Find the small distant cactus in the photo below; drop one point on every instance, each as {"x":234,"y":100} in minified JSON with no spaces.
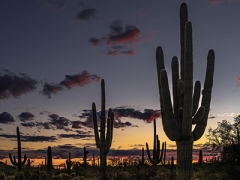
{"x":85,"y":152}
{"x":156,"y":156}
{"x":69,"y":163}
{"x":13,"y":160}
{"x":200,"y":158}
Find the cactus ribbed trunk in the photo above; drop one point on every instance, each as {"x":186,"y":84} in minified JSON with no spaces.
{"x":184,"y":159}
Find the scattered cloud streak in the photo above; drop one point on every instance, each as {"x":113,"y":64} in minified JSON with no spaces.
{"x":28,"y":138}
{"x":26,"y":116}
{"x":86,"y":14}
{"x":58,"y":4}
{"x":6,"y":118}
{"x":81,"y":79}
{"x":15,"y":85}
{"x":118,"y":38}
{"x":49,"y":89}
{"x":147,"y":115}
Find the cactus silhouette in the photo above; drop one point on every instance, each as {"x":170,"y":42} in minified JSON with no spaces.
{"x":49,"y":161}
{"x":85,"y":152}
{"x":103,"y":141}
{"x":200,"y":158}
{"x":177,"y":120}
{"x":19,"y":163}
{"x":69,"y":163}
{"x":156,"y":156}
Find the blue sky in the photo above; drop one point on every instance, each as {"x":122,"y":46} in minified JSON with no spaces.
{"x":68,"y":46}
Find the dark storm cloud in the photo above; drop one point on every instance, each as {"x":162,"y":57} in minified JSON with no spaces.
{"x":6,"y":118}
{"x":148,"y":115}
{"x":26,"y":116}
{"x":55,"y":3}
{"x":30,"y":138}
{"x":15,"y":85}
{"x":81,"y":79}
{"x":49,"y":89}
{"x":86,"y":14}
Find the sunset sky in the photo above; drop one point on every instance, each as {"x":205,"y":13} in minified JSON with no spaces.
{"x":55,"y":52}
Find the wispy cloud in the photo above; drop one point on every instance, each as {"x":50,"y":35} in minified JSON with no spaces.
{"x":49,"y":89}
{"x":26,"y":116}
{"x":28,"y":138}
{"x":6,"y":118}
{"x":58,"y":4}
{"x":147,"y":115}
{"x":15,"y":85}
{"x":81,"y":79}
{"x":118,"y":38}
{"x":215,"y":2}
{"x":86,"y":14}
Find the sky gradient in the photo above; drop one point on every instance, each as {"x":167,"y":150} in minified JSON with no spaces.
{"x":54,"y":54}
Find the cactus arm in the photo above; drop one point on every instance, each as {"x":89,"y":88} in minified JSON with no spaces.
{"x":175,"y":78}
{"x":160,"y":66}
{"x":158,"y":149}
{"x":148,"y":153}
{"x":24,"y":160}
{"x":206,"y":96}
{"x":108,"y":134}
{"x":188,"y":82}
{"x":175,"y":133}
{"x":198,"y":116}
{"x":13,"y":160}
{"x":95,"y":125}
{"x":196,"y":96}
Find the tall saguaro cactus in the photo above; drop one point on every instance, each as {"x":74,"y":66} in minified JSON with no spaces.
{"x":13,"y":160}
{"x":177,"y":119}
{"x":156,"y":156}
{"x":103,"y":141}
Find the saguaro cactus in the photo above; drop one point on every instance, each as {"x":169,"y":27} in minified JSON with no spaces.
{"x":156,"y":156}
{"x":13,"y":160}
{"x":103,"y":141}
{"x":49,"y":161}
{"x":200,"y":158}
{"x":177,"y":120}
{"x":85,"y":152}
{"x":69,"y":163}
